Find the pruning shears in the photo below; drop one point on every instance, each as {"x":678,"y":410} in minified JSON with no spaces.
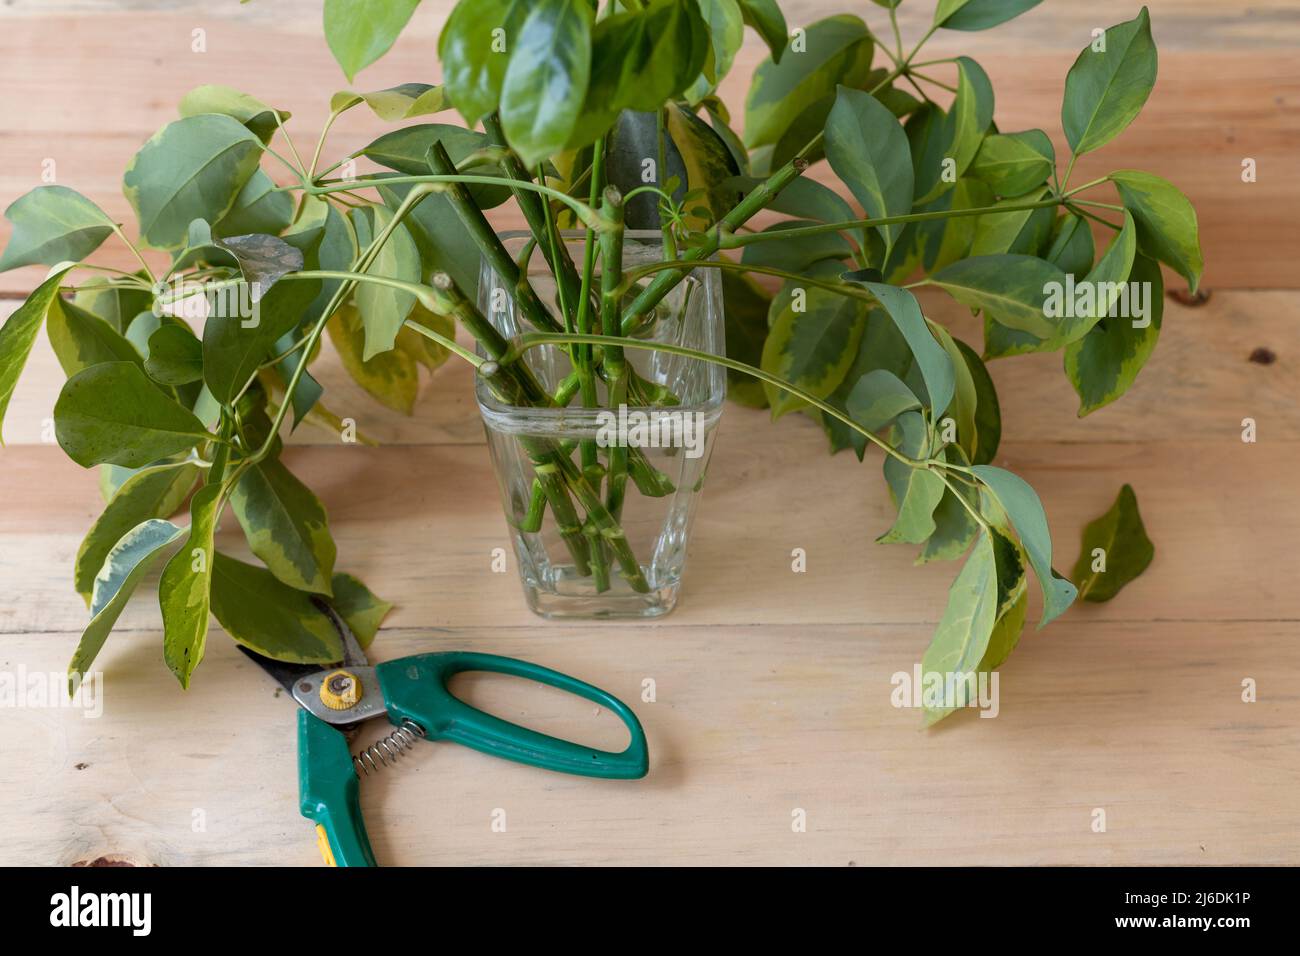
{"x":334,"y":701}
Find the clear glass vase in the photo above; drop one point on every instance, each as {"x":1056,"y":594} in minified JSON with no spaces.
{"x":628,"y":478}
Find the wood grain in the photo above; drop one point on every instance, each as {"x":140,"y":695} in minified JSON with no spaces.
{"x":772,"y":689}
{"x":1143,"y":721}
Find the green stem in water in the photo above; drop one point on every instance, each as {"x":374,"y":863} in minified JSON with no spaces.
{"x":581,"y":355}
{"x":611,"y":276}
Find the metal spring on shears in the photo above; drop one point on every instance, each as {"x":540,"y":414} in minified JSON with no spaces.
{"x":385,"y":751}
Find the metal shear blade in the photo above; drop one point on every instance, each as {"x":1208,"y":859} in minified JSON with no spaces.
{"x":303,"y":681}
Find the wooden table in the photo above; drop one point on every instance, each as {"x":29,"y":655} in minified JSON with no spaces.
{"x":772,"y":688}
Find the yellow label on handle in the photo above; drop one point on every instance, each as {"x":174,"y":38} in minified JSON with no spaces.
{"x":323,"y":844}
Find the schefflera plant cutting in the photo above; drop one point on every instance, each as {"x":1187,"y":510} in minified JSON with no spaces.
{"x":577,"y":102}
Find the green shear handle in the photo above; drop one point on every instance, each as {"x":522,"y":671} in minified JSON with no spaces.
{"x":329,"y":795}
{"x":415,"y":688}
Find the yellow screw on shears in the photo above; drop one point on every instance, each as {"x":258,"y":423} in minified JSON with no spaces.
{"x":340,"y":690}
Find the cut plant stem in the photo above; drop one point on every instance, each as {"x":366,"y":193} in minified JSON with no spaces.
{"x":535,"y":213}
{"x":611,"y":280}
{"x":599,"y":560}
{"x":489,"y":244}
{"x":582,"y":356}
{"x":546,"y":471}
{"x":513,"y":383}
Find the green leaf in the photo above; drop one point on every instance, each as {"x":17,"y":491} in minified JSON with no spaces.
{"x":81,"y":339}
{"x":639,"y":60}
{"x":969,"y":118}
{"x":934,"y":364}
{"x":1012,"y":229}
{"x":963,"y":406}
{"x":546,"y":80}
{"x":804,"y":197}
{"x":404,"y":101}
{"x":1010,"y":287}
{"x":837,"y":50}
{"x":326,"y":242}
{"x":1166,"y":222}
{"x":917,"y":490}
{"x":1105,"y":91}
{"x":1103,"y":288}
{"x":799,"y":253}
{"x":944,"y":241}
{"x":124,"y":564}
{"x":868,"y":150}
{"x":322,"y":236}
{"x":258,"y":208}
{"x":474,"y":50}
{"x":113,"y":413}
{"x":1072,"y":248}
{"x":154,"y":492}
{"x":193,"y":168}
{"x":944,"y":144}
{"x":1104,"y":363}
{"x":878,"y":398}
{"x":719,"y":121}
{"x":769,"y":22}
{"x":406,"y":150}
{"x":963,"y":633}
{"x":384,"y":309}
{"x":706,"y":161}
{"x":978,"y":14}
{"x":954,"y":525}
{"x":1022,"y":506}
{"x":1012,"y":164}
{"x":1001,"y":341}
{"x":1013,"y":591}
{"x":445,"y":244}
{"x":111,"y":479}
{"x":184,"y":590}
{"x":260,"y":119}
{"x":359,"y":607}
{"x":1125,"y":550}
{"x":1074,"y":308}
{"x":745,"y":313}
{"x":929,"y":146}
{"x":286,"y":525}
{"x":882,"y":347}
{"x":53,"y":224}
{"x":391,"y":377}
{"x":359,"y":32}
{"x":269,"y":617}
{"x":813,"y":348}
{"x":726,"y":26}
{"x":988,"y":414}
{"x":1012,"y":603}
{"x":175,"y":356}
{"x":116,"y":306}
{"x":236,"y":343}
{"x":421,"y":348}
